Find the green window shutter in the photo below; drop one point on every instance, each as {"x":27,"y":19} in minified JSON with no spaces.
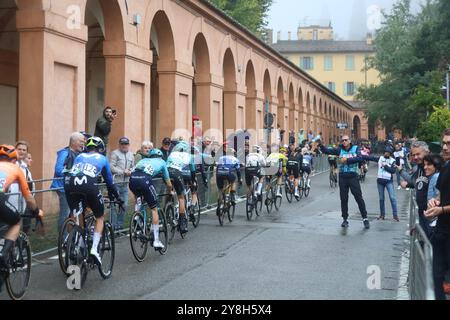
{"x":345,"y":89}
{"x":312,"y":63}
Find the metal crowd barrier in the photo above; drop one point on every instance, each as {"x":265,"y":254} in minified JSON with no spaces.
{"x":420,"y":275}
{"x":45,"y":242}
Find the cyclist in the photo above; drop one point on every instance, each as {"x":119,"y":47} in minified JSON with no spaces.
{"x":227,"y":165}
{"x":81,"y":183}
{"x":12,"y":176}
{"x":200,"y":165}
{"x":278,"y":160}
{"x":307,"y":164}
{"x":332,"y":160}
{"x":141,"y":184}
{"x":182,"y":171}
{"x":253,"y":164}
{"x":294,"y":163}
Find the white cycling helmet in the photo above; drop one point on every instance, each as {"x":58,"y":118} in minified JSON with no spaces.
{"x":257,"y":149}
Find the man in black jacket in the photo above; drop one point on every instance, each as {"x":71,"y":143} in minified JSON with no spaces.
{"x":104,"y":124}
{"x":440,"y":240}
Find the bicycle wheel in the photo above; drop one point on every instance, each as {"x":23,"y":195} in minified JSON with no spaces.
{"x":331,"y":178}
{"x":249,"y":206}
{"x":76,"y":249}
{"x":62,"y":244}
{"x":138,"y":236}
{"x":163,"y":232}
{"x":222,"y":212}
{"x":170,"y":221}
{"x":270,"y":196}
{"x":195,"y":210}
{"x":278,"y":201}
{"x":231,"y":210}
{"x":306,"y":189}
{"x":288,"y":191}
{"x":258,"y":205}
{"x":107,"y":251}
{"x":18,"y":278}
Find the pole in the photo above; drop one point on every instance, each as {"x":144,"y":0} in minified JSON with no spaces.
{"x":448,"y":92}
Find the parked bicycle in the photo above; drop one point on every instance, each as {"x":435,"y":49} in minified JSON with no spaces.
{"x":141,"y":233}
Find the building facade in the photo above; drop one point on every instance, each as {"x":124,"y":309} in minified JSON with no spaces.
{"x":160,"y":63}
{"x":338,"y":65}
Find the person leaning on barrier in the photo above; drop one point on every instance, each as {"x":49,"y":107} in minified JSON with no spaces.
{"x":440,"y":208}
{"x":144,"y":151}
{"x":416,"y":179}
{"x":22,"y":148}
{"x":64,"y":162}
{"x":122,"y":162}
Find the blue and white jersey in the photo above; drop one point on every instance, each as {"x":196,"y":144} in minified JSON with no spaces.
{"x":227,"y":164}
{"x":183,"y":162}
{"x":153,"y":167}
{"x":92,"y":165}
{"x":307,"y":159}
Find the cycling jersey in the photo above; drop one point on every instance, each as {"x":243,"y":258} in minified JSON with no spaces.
{"x":255,"y":160}
{"x":307,"y":159}
{"x":11,"y":174}
{"x":81,"y":182}
{"x":92,"y":165}
{"x":153,"y":167}
{"x":277,"y":160}
{"x":183,"y":162}
{"x":227,"y":164}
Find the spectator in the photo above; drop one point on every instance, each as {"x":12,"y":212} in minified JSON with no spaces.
{"x":417,"y":179}
{"x":22,"y":154}
{"x":440,"y":207}
{"x":165,"y":148}
{"x":292,"y":137}
{"x":386,"y":170}
{"x":301,"y":137}
{"x":399,"y":156}
{"x":432,"y":165}
{"x":64,"y":162}
{"x":122,"y":162}
{"x":310,"y":136}
{"x":143,"y":153}
{"x":104,"y":124}
{"x":318,"y":137}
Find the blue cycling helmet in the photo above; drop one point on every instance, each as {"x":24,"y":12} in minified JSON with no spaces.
{"x":155,"y":153}
{"x":182,"y":146}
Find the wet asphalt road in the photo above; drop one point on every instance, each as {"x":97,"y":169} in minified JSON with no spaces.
{"x":300,"y":252}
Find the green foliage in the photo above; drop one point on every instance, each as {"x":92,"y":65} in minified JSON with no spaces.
{"x":412,"y":51}
{"x":250,"y":13}
{"x":431,"y":130}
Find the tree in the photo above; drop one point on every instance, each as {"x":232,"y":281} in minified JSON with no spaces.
{"x":411,"y":53}
{"x":431,"y":130}
{"x":252,"y":14}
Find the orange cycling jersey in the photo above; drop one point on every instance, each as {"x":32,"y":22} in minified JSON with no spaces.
{"x":11,"y":173}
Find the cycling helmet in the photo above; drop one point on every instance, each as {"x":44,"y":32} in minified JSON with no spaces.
{"x":389,"y":149}
{"x":95,"y":143}
{"x":257,"y":149}
{"x":8,"y":152}
{"x":86,"y":135}
{"x":182,"y":146}
{"x":155,"y":153}
{"x":283,"y":150}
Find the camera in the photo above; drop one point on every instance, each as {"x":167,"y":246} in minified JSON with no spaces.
{"x":114,"y":112}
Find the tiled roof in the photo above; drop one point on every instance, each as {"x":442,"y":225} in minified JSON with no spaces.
{"x":301,"y":46}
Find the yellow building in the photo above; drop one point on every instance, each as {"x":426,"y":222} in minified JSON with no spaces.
{"x":338,"y":65}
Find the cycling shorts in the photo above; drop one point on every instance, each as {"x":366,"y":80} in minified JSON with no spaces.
{"x":8,"y":213}
{"x":251,"y":172}
{"x":306,"y":168}
{"x":293,"y":169}
{"x":141,"y":184}
{"x":84,"y":189}
{"x":178,"y":181}
{"x":221,"y":178}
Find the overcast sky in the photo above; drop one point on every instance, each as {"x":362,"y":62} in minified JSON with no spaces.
{"x":351,"y":19}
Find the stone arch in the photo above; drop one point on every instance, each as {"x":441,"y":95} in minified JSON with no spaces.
{"x":293,"y":113}
{"x":201,"y":90}
{"x":229,"y":91}
{"x":267,"y":87}
{"x":162,"y":45}
{"x":281,"y":121}
{"x":253,"y":116}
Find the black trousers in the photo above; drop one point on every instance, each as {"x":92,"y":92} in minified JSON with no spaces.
{"x":441,"y":261}
{"x":352,"y":183}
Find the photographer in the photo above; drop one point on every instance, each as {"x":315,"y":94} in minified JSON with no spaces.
{"x":104,"y":124}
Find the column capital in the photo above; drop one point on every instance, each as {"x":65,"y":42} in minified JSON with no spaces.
{"x":124,"y":49}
